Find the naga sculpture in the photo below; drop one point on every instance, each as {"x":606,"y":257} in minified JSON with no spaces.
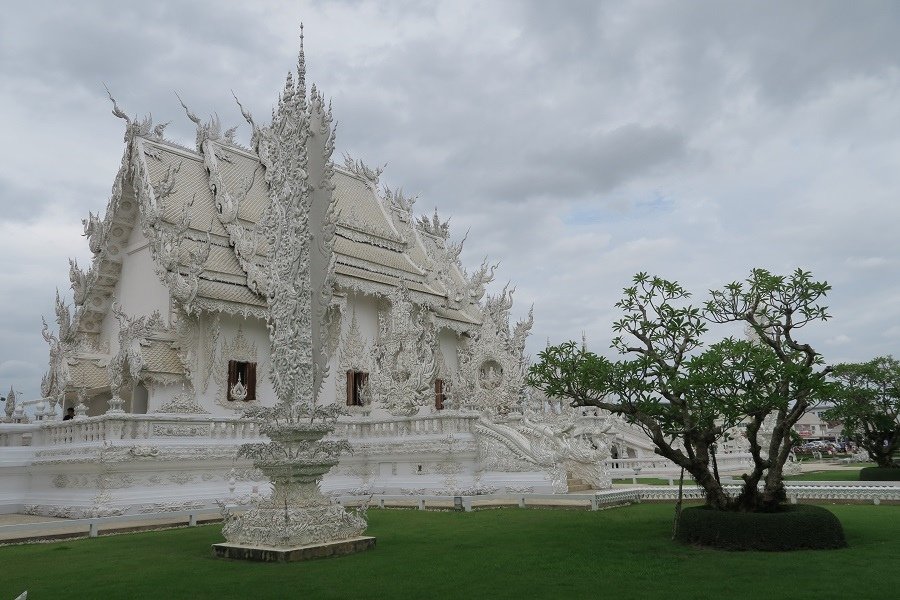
{"x":562,"y":448}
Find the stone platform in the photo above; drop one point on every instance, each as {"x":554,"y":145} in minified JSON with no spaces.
{"x":266,"y":554}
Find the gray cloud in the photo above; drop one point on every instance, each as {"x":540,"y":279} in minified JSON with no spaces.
{"x":579,"y":146}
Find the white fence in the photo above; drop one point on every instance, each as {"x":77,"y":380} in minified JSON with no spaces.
{"x":632,"y":467}
{"x":127,"y":427}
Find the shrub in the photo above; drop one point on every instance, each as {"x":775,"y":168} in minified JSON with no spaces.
{"x":879,"y":474}
{"x":795,"y":527}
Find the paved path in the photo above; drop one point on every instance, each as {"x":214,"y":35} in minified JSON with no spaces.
{"x":27,"y":528}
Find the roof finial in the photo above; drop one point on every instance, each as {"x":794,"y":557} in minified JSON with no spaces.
{"x":116,"y":110}
{"x":301,"y":64}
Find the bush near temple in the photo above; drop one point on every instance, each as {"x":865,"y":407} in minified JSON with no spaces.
{"x":879,"y":474}
{"x":794,"y":527}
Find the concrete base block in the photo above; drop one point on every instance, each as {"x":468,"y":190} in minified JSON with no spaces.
{"x":266,"y":554}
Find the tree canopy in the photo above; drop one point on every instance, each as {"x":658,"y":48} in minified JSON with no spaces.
{"x":867,"y":401}
{"x":686,"y":395}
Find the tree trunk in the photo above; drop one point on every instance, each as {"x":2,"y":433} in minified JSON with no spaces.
{"x":715,"y":495}
{"x":883,"y":457}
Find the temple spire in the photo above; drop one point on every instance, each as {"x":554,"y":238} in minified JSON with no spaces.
{"x":301,"y":66}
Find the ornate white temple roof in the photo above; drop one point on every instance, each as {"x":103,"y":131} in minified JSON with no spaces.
{"x":203,"y":215}
{"x":378,"y":245}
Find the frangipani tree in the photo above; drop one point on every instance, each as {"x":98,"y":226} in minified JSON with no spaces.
{"x":685,"y":395}
{"x":867,"y":401}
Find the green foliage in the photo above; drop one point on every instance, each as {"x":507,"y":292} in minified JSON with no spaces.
{"x":797,"y":527}
{"x":879,"y":474}
{"x":569,"y":371}
{"x":867,"y":401}
{"x":684,"y":395}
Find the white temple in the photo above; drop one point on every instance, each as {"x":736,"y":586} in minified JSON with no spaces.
{"x":167,"y":343}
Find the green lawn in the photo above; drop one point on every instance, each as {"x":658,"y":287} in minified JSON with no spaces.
{"x":841,"y":475}
{"x":650,"y":481}
{"x":507,"y":553}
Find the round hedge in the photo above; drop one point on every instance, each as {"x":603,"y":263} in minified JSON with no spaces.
{"x":796,"y":527}
{"x":879,"y":474}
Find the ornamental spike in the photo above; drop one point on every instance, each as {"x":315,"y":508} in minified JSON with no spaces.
{"x":301,"y":66}
{"x":118,"y":112}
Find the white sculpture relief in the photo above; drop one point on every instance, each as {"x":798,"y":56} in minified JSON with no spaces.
{"x":180,"y":263}
{"x":176,"y":430}
{"x":239,"y":390}
{"x":556,"y":447}
{"x":210,"y":342}
{"x":358,"y":167}
{"x":81,"y":408}
{"x":434,"y":226}
{"x":185,"y":402}
{"x":125,"y":366}
{"x":80,"y":282}
{"x":245,"y":242}
{"x":94,"y":232}
{"x":405,"y":361}
{"x":144,"y":451}
{"x":242,"y":350}
{"x":355,"y":355}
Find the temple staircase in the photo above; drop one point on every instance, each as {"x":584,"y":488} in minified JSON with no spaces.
{"x":575,"y":484}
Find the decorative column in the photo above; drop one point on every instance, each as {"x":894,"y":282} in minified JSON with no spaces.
{"x":296,"y":522}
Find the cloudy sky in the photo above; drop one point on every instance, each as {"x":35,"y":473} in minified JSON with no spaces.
{"x":580,"y":143}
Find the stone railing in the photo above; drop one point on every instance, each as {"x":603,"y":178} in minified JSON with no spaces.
{"x":626,"y":467}
{"x":16,"y":434}
{"x":796,"y":491}
{"x":816,"y":491}
{"x":110,"y":428}
{"x":356,"y":428}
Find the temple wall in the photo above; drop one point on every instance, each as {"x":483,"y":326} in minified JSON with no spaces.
{"x":138,"y":291}
{"x":210,"y":379}
{"x":448,"y":342}
{"x":366,"y":308}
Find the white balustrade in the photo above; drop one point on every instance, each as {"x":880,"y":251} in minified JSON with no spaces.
{"x":356,"y":428}
{"x":144,"y":427}
{"x":625,"y":467}
{"x":125,"y":427}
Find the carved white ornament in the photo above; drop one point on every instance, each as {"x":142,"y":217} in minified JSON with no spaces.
{"x":242,"y":350}
{"x":299,"y":230}
{"x":405,"y":362}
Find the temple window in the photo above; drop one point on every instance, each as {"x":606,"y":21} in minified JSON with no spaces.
{"x":439,"y":396}
{"x":357,"y":381}
{"x":241,"y":380}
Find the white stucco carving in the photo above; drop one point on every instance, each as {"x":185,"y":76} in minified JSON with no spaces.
{"x":405,"y":362}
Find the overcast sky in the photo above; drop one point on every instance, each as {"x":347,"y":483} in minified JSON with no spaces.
{"x":580,"y":142}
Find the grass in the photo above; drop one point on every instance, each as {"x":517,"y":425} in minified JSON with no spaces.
{"x":836,"y":475}
{"x":651,"y":481}
{"x":507,"y":553}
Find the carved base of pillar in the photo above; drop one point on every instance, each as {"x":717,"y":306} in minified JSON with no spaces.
{"x":268,"y":525}
{"x":314,"y":551}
